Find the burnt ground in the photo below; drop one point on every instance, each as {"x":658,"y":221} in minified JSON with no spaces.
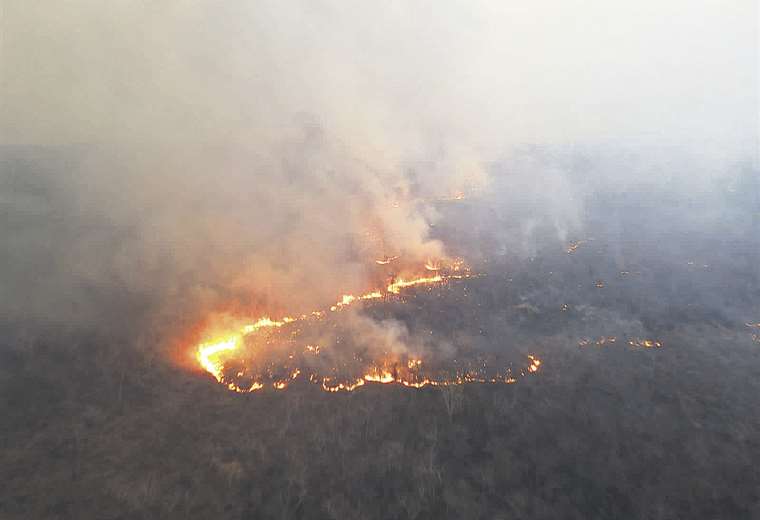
{"x":610,"y":431}
{"x":601,"y":431}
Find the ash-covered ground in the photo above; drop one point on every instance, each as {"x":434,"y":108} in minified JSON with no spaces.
{"x":645,"y":405}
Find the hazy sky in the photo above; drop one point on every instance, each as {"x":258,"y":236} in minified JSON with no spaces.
{"x":268,"y":150}
{"x":400,"y":77}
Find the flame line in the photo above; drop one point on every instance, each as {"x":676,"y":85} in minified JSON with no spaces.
{"x":208,"y":353}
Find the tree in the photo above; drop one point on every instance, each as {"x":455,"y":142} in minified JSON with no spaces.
{"x":453,"y":397}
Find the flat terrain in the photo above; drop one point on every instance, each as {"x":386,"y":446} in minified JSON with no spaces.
{"x":608,"y":430}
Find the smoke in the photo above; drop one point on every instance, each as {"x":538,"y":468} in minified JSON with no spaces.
{"x":161,"y":161}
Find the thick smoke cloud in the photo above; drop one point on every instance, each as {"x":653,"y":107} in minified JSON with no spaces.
{"x":163,"y":160}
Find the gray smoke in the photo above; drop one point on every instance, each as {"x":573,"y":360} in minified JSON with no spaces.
{"x":163,"y":160}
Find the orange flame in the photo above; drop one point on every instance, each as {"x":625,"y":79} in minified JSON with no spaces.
{"x":432,"y":265}
{"x":211,"y":355}
{"x":396,"y":286}
{"x":645,"y":343}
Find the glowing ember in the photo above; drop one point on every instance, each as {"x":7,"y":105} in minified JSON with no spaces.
{"x":645,"y":343}
{"x":458,"y":265}
{"x":600,"y":342}
{"x":573,"y":246}
{"x":611,"y":340}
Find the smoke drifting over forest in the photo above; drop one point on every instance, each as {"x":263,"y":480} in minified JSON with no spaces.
{"x":191,"y":154}
{"x":169,"y":170}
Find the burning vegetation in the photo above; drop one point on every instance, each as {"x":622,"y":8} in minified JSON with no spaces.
{"x":278,"y":353}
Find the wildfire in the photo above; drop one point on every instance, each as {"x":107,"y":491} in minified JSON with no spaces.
{"x":645,"y":343}
{"x":600,"y":342}
{"x":433,"y":265}
{"x":458,"y":265}
{"x":206,"y":351}
{"x":611,"y":340}
{"x":385,"y":377}
{"x":573,"y":246}
{"x":386,"y":260}
{"x":348,"y":299}
{"x":409,"y":372}
{"x":396,"y":286}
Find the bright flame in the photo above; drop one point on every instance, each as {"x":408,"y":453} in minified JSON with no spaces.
{"x":433,"y":265}
{"x":266,"y":322}
{"x":534,"y":363}
{"x":645,"y":343}
{"x":396,"y":286}
{"x":211,"y":355}
{"x":207,"y":351}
